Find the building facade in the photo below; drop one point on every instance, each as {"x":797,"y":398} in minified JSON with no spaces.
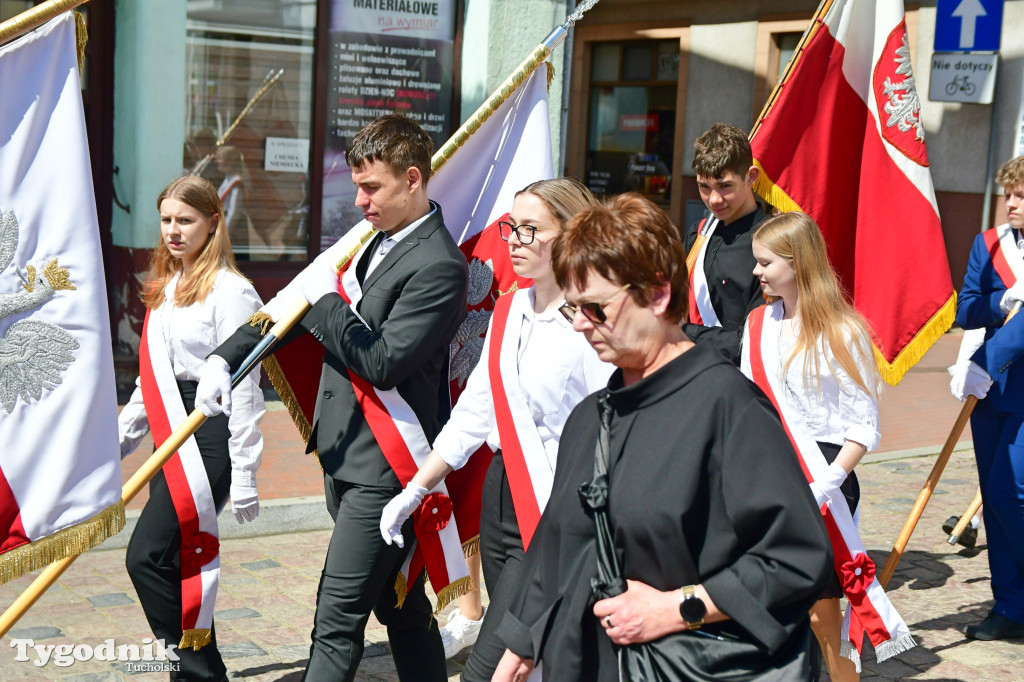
{"x":636,"y":82}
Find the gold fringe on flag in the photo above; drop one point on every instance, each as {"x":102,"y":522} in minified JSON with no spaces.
{"x":262,"y":320}
{"x":81,"y":39}
{"x":893,"y":373}
{"x":70,"y":541}
{"x":284,"y":390}
{"x":195,"y":639}
{"x":471,"y":547}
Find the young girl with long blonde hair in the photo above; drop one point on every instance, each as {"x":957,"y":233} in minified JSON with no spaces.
{"x":811,"y":352}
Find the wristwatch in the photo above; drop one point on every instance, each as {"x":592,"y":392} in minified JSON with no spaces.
{"x":692,"y":608}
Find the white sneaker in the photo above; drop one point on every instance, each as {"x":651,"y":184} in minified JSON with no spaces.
{"x":459,"y":632}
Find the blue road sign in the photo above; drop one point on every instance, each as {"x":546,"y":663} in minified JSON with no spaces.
{"x":968,"y":25}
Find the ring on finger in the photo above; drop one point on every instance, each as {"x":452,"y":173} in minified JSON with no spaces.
{"x":608,"y":621}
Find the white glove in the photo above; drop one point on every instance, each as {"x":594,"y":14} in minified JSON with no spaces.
{"x":398,"y":510}
{"x":318,"y":280}
{"x":822,"y":488}
{"x":958,"y":374}
{"x":975,"y":382}
{"x":214,"y":384}
{"x":1012,"y":296}
{"x":245,"y":503}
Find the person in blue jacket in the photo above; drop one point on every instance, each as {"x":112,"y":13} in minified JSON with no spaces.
{"x":993,"y":288}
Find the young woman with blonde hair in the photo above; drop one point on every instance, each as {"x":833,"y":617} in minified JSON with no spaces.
{"x":195,"y":298}
{"x":811,"y":352}
{"x":534,"y":369}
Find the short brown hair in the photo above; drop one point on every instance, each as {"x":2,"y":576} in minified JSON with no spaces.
{"x":720,"y":149}
{"x":1011,"y":175}
{"x":393,"y":139}
{"x":625,"y":240}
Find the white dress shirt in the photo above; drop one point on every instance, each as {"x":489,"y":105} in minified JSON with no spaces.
{"x":391,"y":242}
{"x":557,"y":370}
{"x":192,"y":333}
{"x":841,"y":410}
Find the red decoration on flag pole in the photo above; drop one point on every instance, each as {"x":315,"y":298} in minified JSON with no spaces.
{"x":842,"y":141}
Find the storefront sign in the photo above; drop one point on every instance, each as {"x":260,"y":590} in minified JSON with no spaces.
{"x":385,"y":56}
{"x":286,"y":154}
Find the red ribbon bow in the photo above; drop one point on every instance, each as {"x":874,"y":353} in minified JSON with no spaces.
{"x":434,"y":513}
{"x":197,"y":551}
{"x":857,"y":574}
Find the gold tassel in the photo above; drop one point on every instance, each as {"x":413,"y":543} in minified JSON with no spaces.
{"x":401,"y":589}
{"x":194,"y":639}
{"x":284,"y":389}
{"x":551,"y":73}
{"x":893,"y":373}
{"x":471,"y":547}
{"x":81,"y":39}
{"x":452,"y":592}
{"x":262,"y":320}
{"x":62,"y":544}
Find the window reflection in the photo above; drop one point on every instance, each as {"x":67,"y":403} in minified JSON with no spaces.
{"x":262,"y":170}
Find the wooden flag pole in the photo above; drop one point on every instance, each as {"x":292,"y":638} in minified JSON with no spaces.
{"x":965,"y":519}
{"x":33,"y":18}
{"x":52,"y":572}
{"x":926,"y":491}
{"x":933,"y":478}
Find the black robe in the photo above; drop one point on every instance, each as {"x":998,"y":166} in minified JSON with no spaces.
{"x":729,"y":268}
{"x":704,"y":488}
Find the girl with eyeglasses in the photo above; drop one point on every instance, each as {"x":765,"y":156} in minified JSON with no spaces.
{"x":533,"y":370}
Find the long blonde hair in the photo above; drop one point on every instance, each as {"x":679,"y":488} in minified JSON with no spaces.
{"x":825,"y":312}
{"x":215,"y":254}
{"x":564,"y":197}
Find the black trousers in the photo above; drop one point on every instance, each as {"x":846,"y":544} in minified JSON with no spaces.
{"x":153,"y":558}
{"x":359,"y":577}
{"x":501,"y":557}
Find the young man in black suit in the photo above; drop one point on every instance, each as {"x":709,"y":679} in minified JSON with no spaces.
{"x":410,"y":281}
{"x":723,"y":289}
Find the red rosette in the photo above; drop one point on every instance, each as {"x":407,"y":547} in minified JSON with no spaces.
{"x":857,"y":574}
{"x":197,"y":551}
{"x":434,"y":513}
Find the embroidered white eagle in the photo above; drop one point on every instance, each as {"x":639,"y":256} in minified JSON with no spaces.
{"x":33,"y":354}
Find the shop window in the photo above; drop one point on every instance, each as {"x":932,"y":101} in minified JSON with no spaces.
{"x":262,"y":171}
{"x":630,"y":135}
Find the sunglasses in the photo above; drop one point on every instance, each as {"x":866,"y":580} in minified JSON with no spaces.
{"x":593,"y":311}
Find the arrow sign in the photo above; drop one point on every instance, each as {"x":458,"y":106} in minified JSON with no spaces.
{"x":968,"y":11}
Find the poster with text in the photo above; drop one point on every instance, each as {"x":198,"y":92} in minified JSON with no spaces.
{"x":384,"y":56}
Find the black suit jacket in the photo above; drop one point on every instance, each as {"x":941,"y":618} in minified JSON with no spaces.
{"x":735,"y":292}
{"x":413,"y":303}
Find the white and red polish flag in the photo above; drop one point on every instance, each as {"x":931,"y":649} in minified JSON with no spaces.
{"x":474,"y":188}
{"x":844,"y":143}
{"x":60,"y":473}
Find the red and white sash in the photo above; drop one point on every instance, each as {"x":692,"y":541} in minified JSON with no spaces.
{"x":187,"y":483}
{"x":237,"y":182}
{"x":1006,"y":257}
{"x":871,"y":611}
{"x":530,"y":474}
{"x":400,"y":435}
{"x":701,"y":310}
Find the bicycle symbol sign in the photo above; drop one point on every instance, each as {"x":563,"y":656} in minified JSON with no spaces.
{"x":960,"y":77}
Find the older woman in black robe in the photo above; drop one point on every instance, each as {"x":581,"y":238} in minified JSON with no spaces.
{"x":711,"y":519}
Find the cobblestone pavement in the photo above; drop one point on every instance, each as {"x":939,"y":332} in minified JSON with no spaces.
{"x":268,"y":588}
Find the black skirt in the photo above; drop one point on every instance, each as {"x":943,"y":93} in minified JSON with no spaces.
{"x":851,"y":491}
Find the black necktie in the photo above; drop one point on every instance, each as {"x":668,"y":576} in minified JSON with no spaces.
{"x":364,"y":262}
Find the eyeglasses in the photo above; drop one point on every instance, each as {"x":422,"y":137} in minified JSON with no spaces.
{"x":592,"y":311}
{"x":524,"y":233}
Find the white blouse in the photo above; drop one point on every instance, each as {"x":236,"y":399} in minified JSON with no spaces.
{"x":557,"y":370}
{"x":842,"y":410}
{"x":193,"y":332}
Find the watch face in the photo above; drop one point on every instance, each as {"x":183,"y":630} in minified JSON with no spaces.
{"x":693,"y":610}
